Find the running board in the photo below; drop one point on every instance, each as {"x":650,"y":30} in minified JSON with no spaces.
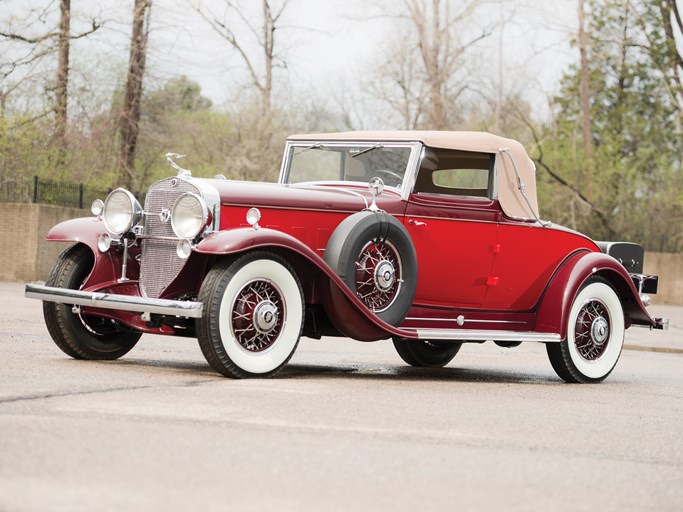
{"x":481,"y":335}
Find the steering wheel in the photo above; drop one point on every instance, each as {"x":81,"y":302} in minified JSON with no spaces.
{"x":389,"y":176}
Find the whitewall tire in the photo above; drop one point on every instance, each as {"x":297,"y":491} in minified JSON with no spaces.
{"x":253,"y":315}
{"x":595,"y":335}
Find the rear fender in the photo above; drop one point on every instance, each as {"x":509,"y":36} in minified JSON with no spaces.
{"x":349,"y":315}
{"x":553,"y":311}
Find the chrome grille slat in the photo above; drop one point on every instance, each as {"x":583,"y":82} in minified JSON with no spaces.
{"x":159,"y":264}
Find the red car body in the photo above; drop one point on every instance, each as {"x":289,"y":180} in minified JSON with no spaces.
{"x":481,"y":264}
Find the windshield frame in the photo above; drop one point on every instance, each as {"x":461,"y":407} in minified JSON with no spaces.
{"x":366,"y":145}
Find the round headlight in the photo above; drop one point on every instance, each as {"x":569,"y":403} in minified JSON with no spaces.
{"x":121,"y":211}
{"x":189,"y":215}
{"x":97,"y":207}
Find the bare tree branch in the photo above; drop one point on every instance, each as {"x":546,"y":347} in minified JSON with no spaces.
{"x":262,"y":80}
{"x":432,"y":50}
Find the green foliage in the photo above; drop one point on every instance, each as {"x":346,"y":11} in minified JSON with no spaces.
{"x":177,"y":119}
{"x":26,"y":149}
{"x":633,"y":180}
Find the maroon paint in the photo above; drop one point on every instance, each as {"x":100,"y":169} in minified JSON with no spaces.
{"x":555,"y":304}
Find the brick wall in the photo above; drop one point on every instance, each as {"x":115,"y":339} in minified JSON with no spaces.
{"x":669,"y":268}
{"x":25,"y":255}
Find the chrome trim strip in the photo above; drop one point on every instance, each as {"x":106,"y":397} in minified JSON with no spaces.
{"x":299,"y":209}
{"x":481,"y":335}
{"x":180,"y":308}
{"x":466,"y":320}
{"x":479,"y":321}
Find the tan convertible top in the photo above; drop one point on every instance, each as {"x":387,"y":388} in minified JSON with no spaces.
{"x":512,"y":200}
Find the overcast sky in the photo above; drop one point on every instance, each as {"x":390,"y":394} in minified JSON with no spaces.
{"x":327,"y":43}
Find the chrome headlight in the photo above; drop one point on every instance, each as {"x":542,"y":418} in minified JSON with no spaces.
{"x":121,"y":211}
{"x":189,"y":216}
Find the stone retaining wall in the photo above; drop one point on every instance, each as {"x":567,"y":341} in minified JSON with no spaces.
{"x":25,"y":255}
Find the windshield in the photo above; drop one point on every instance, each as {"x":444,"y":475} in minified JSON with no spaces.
{"x":348,"y":162}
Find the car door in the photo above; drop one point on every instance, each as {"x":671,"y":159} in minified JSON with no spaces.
{"x":452,"y":220}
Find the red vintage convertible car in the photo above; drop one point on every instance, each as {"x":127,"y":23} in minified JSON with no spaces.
{"x":431,"y":239}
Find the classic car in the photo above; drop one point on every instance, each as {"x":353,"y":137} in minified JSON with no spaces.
{"x":430,"y":239}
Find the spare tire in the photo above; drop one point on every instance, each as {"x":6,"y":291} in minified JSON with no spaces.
{"x":373,"y":254}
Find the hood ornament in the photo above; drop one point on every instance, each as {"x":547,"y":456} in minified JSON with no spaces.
{"x":182,"y":173}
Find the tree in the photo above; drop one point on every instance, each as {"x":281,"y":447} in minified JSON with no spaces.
{"x":130,"y":116}
{"x":584,"y":78}
{"x":61,"y":88}
{"x":34,"y":47}
{"x":662,"y":24}
{"x":423,"y":75}
{"x":260,"y":73}
{"x":636,"y":134}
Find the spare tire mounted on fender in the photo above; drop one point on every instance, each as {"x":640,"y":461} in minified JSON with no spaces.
{"x":373,"y":254}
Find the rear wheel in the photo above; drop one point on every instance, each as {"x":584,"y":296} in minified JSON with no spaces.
{"x":253,"y":315}
{"x":426,"y":353}
{"x":595,"y":335}
{"x":78,"y":335}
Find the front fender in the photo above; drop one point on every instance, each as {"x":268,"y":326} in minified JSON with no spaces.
{"x":234,"y":241}
{"x":348,"y":314}
{"x":555,"y":305}
{"x":85,"y":230}
{"x":106,"y":266}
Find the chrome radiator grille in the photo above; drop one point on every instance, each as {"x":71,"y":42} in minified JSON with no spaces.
{"x":160,"y":264}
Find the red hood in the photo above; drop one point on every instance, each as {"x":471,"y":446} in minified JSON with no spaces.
{"x":309,"y":197}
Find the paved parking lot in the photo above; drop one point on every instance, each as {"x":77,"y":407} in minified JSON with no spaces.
{"x":346,"y":427}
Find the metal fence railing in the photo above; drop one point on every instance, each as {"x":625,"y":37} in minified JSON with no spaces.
{"x":40,"y":191}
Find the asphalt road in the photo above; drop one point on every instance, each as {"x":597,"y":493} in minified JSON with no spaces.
{"x":346,"y":427}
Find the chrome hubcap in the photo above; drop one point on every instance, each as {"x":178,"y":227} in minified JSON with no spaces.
{"x":385,"y":275}
{"x":600,"y":331}
{"x":265,"y":317}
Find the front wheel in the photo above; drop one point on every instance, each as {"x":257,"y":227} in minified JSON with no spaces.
{"x":433,"y":354}
{"x":253,"y":315}
{"x":595,"y":335}
{"x":78,"y":335}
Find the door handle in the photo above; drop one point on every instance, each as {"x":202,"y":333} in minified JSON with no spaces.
{"x":416,"y":223}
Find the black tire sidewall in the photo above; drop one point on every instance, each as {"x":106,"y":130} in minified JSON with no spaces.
{"x":420,"y":353}
{"x":66,"y":327}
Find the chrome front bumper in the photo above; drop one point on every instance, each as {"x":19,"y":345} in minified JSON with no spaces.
{"x":180,"y":308}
